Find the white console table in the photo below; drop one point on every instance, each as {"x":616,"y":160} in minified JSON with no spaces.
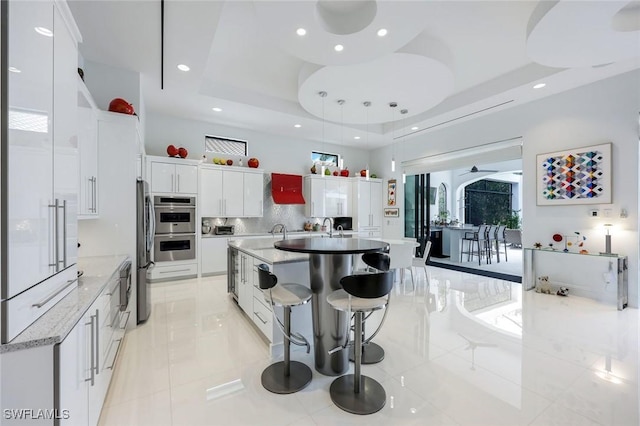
{"x":600,"y":277}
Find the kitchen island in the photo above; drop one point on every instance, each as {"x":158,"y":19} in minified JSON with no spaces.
{"x":243,"y":258}
{"x":330,"y":259}
{"x":452,"y":240}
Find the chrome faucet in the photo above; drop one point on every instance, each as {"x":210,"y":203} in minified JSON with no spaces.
{"x":340,"y":231}
{"x":330,"y":225}
{"x":283,"y":229}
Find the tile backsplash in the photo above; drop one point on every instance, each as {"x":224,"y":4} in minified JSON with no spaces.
{"x":291,"y":215}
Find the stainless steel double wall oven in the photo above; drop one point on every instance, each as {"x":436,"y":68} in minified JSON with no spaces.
{"x":175,"y":235}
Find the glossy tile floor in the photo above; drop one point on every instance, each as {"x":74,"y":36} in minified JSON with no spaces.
{"x":465,"y":350}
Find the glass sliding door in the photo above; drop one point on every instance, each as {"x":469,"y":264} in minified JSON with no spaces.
{"x":417,"y":209}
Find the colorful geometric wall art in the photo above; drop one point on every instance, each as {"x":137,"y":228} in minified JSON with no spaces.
{"x":576,"y":176}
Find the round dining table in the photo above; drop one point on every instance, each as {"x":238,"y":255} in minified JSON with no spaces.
{"x":330,"y":259}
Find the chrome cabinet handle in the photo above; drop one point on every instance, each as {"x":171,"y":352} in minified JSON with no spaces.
{"x":56,"y":234}
{"x":260,"y":317}
{"x":93,"y":353}
{"x":97,"y":342}
{"x":178,"y":185}
{"x":172,"y":182}
{"x":126,"y":321}
{"x":64,"y":234}
{"x":95,"y":194}
{"x":115,"y":357}
{"x":54,"y":294}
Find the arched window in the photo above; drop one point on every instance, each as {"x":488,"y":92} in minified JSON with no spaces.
{"x":442,"y":201}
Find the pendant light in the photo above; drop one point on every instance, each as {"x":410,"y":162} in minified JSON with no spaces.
{"x":341,"y":103}
{"x":393,"y":106}
{"x":323,"y":95}
{"x":367,"y":104}
{"x":403,"y":112}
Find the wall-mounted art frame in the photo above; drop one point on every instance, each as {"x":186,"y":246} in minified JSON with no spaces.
{"x":574,"y":176}
{"x":391,"y":192}
{"x":392,"y":212}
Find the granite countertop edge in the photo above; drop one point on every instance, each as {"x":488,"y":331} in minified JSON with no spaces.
{"x":268,"y":234}
{"x":263,"y":249}
{"x":52,"y":327}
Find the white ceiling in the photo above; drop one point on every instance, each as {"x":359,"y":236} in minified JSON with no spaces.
{"x":443,"y":61}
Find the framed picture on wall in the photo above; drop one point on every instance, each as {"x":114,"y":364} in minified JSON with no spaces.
{"x":574,"y":176}
{"x":391,"y":212}
{"x":391,"y":192}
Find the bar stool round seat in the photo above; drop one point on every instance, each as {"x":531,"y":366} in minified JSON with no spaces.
{"x":372,"y":353}
{"x":361,"y":293}
{"x":286,"y":376}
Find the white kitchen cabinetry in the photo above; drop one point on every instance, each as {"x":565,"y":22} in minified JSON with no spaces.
{"x":314,"y":188}
{"x":88,"y":151}
{"x":213,"y":256}
{"x":40,"y":192}
{"x":337,"y":197}
{"x":85,"y":360}
{"x":253,"y":193}
{"x":245,"y":290}
{"x":230,"y":193}
{"x":368,"y":207}
{"x":327,"y":196}
{"x":169,"y":176}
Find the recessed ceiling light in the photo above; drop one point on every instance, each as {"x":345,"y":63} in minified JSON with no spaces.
{"x":356,"y":137}
{"x":539,"y":86}
{"x":415,"y":128}
{"x":44,"y":31}
{"x":382,"y":32}
{"x":216,"y":109}
{"x":183,"y":67}
{"x":14,"y":69}
{"x":301,"y":31}
{"x":338,"y":48}
{"x":297,"y":126}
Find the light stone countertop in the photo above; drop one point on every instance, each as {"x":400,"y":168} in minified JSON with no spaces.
{"x":53,"y":327}
{"x":278,"y":235}
{"x":263,"y":249}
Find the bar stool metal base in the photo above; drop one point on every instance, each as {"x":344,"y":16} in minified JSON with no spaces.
{"x":369,"y":400}
{"x":372,"y":353}
{"x":274,"y":380}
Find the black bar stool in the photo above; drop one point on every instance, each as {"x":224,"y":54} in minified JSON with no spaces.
{"x":286,"y":376}
{"x":360,"y":293}
{"x":372,"y":353}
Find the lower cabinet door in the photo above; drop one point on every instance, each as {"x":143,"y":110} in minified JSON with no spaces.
{"x":74,"y":375}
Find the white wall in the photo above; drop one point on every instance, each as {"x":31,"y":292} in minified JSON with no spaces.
{"x":106,"y":83}
{"x":275,"y":153}
{"x":606,"y":111}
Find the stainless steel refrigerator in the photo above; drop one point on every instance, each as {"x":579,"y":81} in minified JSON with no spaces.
{"x":144,"y":246}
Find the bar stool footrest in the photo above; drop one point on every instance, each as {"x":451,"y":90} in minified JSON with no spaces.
{"x":372,"y":353}
{"x":274,"y":380}
{"x":369,"y":400}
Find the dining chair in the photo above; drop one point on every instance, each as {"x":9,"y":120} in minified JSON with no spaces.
{"x":402,"y":258}
{"x":421,"y":262}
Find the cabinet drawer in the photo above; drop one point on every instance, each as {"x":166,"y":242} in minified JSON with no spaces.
{"x":260,"y":297}
{"x":262,"y":317}
{"x":168,"y":272}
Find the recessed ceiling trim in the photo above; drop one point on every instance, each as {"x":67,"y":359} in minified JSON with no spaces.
{"x":502,"y":150}
{"x":457,"y":118}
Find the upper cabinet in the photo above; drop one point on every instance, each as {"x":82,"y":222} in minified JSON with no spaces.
{"x":230,"y":192}
{"x":175,"y":176}
{"x":40,"y":193}
{"x":88,"y":198}
{"x":368,"y":203}
{"x":327,"y":196}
